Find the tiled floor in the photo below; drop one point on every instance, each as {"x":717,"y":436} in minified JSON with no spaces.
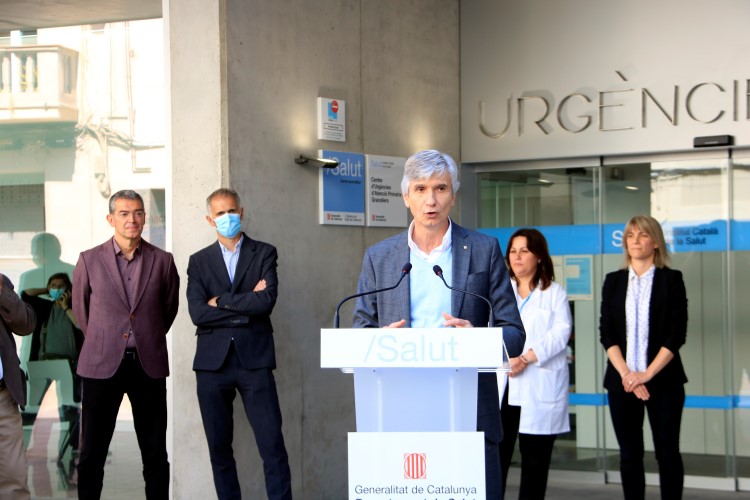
{"x":52,"y":478}
{"x":565,"y":489}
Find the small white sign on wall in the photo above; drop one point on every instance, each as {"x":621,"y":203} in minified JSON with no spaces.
{"x":331,"y":119}
{"x":416,"y":465}
{"x":385,"y":205}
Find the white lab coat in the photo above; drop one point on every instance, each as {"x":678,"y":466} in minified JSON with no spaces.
{"x":541,"y":390}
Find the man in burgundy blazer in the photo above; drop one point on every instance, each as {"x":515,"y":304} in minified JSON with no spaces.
{"x":125,"y":297}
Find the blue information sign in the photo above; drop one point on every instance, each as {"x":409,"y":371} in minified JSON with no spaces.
{"x":342,"y":190}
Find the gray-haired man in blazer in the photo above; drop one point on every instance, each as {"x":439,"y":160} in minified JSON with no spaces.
{"x":125,"y":298}
{"x":470,"y":261}
{"x":232,"y":289}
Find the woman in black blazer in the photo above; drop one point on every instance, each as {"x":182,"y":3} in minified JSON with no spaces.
{"x":642,"y":326}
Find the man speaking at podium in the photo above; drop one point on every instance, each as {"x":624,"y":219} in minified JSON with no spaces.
{"x":470,"y":262}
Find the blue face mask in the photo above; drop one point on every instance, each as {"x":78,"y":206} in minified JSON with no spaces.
{"x":56,"y":293}
{"x":228,"y":225}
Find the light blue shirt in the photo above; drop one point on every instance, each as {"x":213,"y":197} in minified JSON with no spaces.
{"x":231,"y":257}
{"x":429,"y":297}
{"x":435,"y":254}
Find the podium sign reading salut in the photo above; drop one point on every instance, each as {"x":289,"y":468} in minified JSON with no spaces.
{"x":411,"y":347}
{"x":416,"y":465}
{"x":415,"y":392}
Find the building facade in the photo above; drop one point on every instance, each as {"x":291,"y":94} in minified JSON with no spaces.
{"x":569,"y":117}
{"x":575,"y":117}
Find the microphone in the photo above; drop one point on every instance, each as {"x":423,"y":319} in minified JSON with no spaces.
{"x":404,"y":271}
{"x":439,"y":271}
{"x":506,"y":357}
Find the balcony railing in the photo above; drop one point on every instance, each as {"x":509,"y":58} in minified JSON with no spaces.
{"x":38,"y":84}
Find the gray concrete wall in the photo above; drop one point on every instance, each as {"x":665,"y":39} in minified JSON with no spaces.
{"x":396,"y":65}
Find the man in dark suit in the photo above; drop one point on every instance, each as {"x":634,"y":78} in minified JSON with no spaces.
{"x":470,"y":261}
{"x":232,"y":289}
{"x":15,"y":316}
{"x":125,"y":298}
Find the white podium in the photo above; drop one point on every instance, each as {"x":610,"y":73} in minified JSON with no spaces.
{"x":416,"y":408}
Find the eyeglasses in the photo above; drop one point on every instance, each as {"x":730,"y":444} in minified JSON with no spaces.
{"x":137,"y":214}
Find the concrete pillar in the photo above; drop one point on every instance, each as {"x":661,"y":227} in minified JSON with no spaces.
{"x":245,"y":75}
{"x":196,"y":55}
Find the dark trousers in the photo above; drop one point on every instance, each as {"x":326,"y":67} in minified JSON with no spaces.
{"x":536,"y":454}
{"x":257,"y":388}
{"x":100,"y":403}
{"x":664,"y":414}
{"x":494,"y":485}
{"x":488,"y":421}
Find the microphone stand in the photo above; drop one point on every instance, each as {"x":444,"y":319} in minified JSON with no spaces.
{"x":506,"y":357}
{"x":404,"y":271}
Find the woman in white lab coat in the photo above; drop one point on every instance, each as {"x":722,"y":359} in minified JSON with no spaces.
{"x":535,"y":404}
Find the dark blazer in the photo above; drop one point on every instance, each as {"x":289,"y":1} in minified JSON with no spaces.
{"x":242,"y":314}
{"x":478,"y":267}
{"x":105,"y":317}
{"x":16,"y":317}
{"x":667,"y":323}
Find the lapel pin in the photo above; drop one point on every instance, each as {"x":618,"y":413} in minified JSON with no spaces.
{"x":465,"y":247}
